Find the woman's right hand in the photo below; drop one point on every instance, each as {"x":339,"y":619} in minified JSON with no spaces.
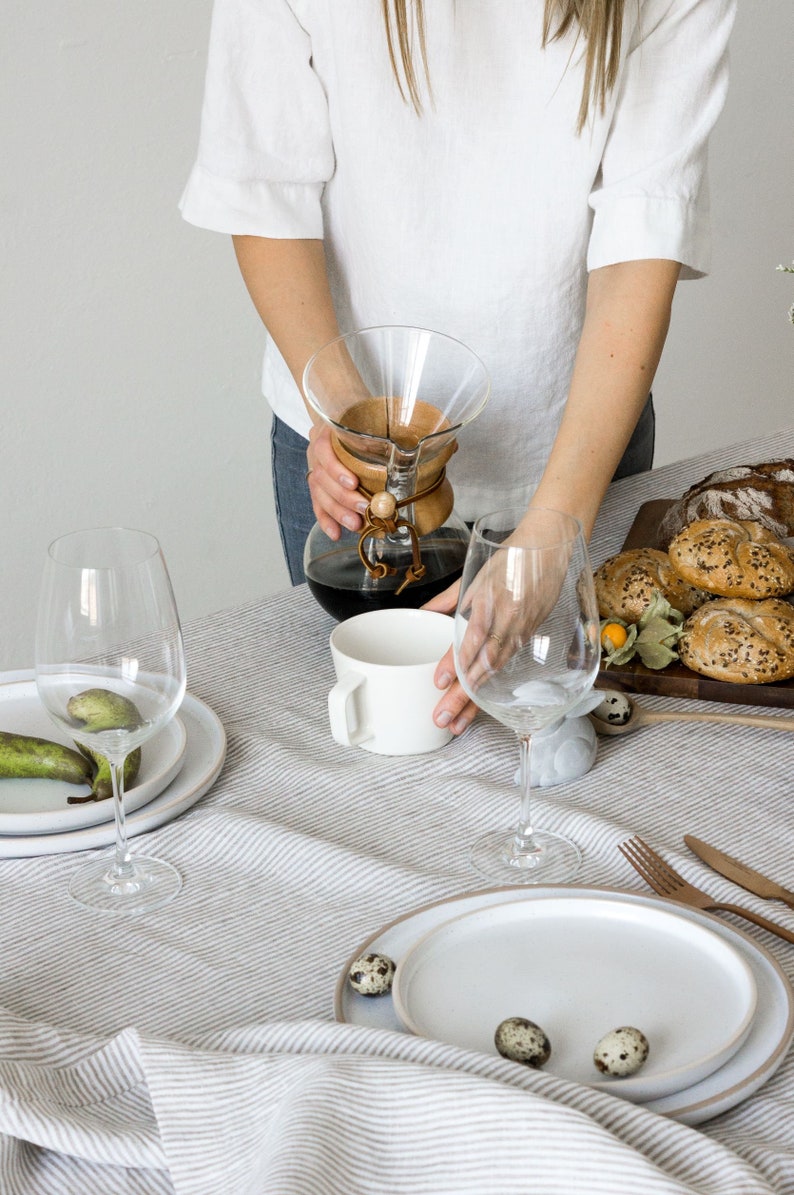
{"x":333,"y":487}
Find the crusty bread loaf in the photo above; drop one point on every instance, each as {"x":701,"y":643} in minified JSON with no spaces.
{"x":763,"y":493}
{"x":741,"y":641}
{"x":625,"y":584}
{"x":733,"y":559}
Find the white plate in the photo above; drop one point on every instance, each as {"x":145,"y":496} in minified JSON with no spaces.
{"x":755,"y":1062}
{"x":205,"y":752}
{"x":580,"y":968}
{"x":40,"y":806}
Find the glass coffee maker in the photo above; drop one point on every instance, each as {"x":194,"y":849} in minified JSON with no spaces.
{"x":395,"y":399}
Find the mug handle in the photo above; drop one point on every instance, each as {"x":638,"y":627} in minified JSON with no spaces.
{"x":340,"y":700}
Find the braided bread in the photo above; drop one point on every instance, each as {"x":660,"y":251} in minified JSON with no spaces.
{"x":625,"y":584}
{"x":741,"y":641}
{"x":733,"y":559}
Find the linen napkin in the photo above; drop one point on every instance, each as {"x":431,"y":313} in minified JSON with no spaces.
{"x":303,"y":1108}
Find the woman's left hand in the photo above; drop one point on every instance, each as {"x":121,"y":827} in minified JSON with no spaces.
{"x":455,"y":709}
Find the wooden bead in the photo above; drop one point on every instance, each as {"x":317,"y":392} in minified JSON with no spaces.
{"x":383,"y":505}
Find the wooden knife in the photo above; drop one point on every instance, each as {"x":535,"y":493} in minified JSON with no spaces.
{"x":732,"y":869}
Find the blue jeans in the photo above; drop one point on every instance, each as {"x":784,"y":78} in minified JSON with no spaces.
{"x":291,"y":492}
{"x":638,"y":457}
{"x":293,"y":502}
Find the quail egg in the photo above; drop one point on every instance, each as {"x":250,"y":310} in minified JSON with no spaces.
{"x":371,"y":974}
{"x":522,"y":1041}
{"x":615,"y":708}
{"x":621,"y":1052}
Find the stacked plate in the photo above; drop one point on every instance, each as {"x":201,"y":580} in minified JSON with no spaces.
{"x":177,"y":767}
{"x":715,"y":1007}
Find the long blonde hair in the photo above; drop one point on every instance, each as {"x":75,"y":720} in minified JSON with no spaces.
{"x":599,"y":21}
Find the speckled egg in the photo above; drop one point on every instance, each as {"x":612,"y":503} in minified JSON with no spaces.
{"x":371,"y":974}
{"x":621,"y":1052}
{"x":615,"y":708}
{"x":522,"y":1041}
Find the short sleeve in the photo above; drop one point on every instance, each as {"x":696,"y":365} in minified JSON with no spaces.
{"x":651,"y":199}
{"x":265,"y":149}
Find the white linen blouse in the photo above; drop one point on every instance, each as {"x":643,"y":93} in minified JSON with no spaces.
{"x":480,"y":217}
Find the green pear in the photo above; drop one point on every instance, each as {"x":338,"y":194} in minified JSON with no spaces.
{"x":102,"y":784}
{"x":24,"y":757}
{"x":99,"y":709}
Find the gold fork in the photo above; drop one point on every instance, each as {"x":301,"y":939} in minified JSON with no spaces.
{"x":667,"y":882}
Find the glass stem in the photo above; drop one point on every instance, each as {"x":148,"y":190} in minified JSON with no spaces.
{"x":524,"y":843}
{"x":122,"y":863}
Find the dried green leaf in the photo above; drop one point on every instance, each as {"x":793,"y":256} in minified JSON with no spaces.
{"x":653,"y":638}
{"x":659,"y":607}
{"x":659,"y":630}
{"x":656,"y":655}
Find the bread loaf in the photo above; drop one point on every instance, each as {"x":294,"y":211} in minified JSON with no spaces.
{"x":733,"y":559}
{"x":762,"y":493}
{"x":625,"y":585}
{"x":741,"y":641}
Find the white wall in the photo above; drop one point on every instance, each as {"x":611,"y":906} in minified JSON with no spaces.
{"x":728,"y":369}
{"x":130,"y":352}
{"x":132,"y":355}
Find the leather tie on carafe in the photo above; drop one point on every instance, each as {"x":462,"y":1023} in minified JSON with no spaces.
{"x":432,"y":502}
{"x":381,"y":519}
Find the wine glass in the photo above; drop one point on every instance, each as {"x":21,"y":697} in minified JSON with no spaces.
{"x":526,"y":651}
{"x":110,"y":671}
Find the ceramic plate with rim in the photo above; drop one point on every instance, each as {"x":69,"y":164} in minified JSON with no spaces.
{"x":744,"y":1073}
{"x":203,"y":760}
{"x":40,"y":806}
{"x":579,"y":969}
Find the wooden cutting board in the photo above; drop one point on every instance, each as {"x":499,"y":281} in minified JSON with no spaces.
{"x":675,"y":680}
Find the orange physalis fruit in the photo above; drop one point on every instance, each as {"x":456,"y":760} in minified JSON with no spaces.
{"x":616,"y":634}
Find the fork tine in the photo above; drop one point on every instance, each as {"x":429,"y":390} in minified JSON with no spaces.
{"x":649,"y":865}
{"x":627,"y":849}
{"x":671,"y":876}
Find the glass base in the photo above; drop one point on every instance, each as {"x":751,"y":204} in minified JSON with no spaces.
{"x":150,"y":884}
{"x":555,"y":861}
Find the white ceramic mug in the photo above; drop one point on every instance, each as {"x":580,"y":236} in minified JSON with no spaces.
{"x":384,"y":697}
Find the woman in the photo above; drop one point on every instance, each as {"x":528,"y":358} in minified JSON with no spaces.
{"x":528,"y":177}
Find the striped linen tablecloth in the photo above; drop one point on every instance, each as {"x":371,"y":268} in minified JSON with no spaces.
{"x":194,"y":1050}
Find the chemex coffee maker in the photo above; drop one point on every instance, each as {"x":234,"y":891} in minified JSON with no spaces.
{"x":395,"y":399}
